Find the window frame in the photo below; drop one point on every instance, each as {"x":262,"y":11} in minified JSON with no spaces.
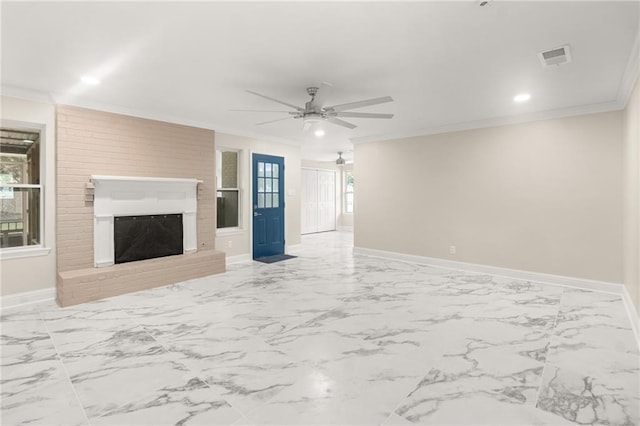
{"x":346,"y":192}
{"x":39,"y":249}
{"x":239,"y":228}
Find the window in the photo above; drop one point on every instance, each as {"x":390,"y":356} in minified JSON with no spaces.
{"x":228,"y":191}
{"x":348,"y":191}
{"x":20,"y":189}
{"x":268,"y":185}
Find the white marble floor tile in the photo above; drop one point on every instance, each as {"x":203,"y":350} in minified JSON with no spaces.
{"x":396,"y":420}
{"x":129,"y":378}
{"x":39,"y":394}
{"x":482,"y":410}
{"x":34,"y":386}
{"x":246,"y":374}
{"x":323,"y":396}
{"x":327,"y":338}
{"x":585,"y":399}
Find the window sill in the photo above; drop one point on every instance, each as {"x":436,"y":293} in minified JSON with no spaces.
{"x":21,"y":252}
{"x":228,"y":232}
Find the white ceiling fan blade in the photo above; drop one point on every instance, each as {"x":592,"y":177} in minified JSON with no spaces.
{"x":360,"y":115}
{"x":275,"y":100}
{"x":359,"y":104}
{"x":341,"y":122}
{"x":272,"y":121}
{"x":262,"y":110}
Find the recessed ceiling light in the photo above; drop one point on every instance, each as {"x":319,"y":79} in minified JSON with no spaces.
{"x":27,"y":141}
{"x":91,"y":81}
{"x":522,"y":97}
{"x":319,"y":133}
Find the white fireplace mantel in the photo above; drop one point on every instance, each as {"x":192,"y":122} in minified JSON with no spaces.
{"x":135,"y":196}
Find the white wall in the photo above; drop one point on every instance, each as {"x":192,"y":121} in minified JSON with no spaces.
{"x":632,"y":196}
{"x":543,"y":196}
{"x":240,"y":240}
{"x":34,"y":273}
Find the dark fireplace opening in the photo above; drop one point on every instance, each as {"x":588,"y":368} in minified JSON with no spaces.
{"x":147,"y":237}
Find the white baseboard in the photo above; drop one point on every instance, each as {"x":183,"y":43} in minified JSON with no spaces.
{"x":632,"y":313}
{"x":345,"y":228}
{"x":27,"y":298}
{"x":579,"y":283}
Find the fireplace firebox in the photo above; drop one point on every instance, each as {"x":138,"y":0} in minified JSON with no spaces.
{"x":147,"y":237}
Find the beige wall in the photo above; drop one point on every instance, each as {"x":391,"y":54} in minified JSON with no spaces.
{"x":34,"y":273}
{"x":544,"y":196}
{"x":99,"y":143}
{"x":632,"y":196}
{"x":238,"y":241}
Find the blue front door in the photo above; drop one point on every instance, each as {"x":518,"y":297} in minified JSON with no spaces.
{"x":268,"y":205}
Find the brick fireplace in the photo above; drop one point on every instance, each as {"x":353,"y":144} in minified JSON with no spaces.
{"x":145,"y":167}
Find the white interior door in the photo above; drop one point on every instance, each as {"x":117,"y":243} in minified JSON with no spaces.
{"x":318,"y":201}
{"x":326,"y":201}
{"x":309,"y":200}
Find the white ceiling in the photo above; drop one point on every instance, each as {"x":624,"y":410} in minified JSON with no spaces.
{"x":448,"y":65}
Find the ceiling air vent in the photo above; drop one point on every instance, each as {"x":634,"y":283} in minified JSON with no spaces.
{"x":558,"y":56}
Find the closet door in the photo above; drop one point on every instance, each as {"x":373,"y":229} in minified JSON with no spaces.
{"x":309,"y":201}
{"x":326,"y":200}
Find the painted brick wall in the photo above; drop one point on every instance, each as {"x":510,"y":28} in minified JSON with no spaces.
{"x":99,"y":143}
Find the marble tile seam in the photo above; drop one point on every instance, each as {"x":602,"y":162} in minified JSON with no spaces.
{"x":404,"y":398}
{"x":64,"y":368}
{"x":552,"y":334}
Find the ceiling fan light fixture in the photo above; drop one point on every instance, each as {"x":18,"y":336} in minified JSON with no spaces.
{"x":522,"y":97}
{"x":312,"y":118}
{"x":90,"y":80}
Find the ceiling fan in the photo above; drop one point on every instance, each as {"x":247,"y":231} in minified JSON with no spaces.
{"x":313,"y":113}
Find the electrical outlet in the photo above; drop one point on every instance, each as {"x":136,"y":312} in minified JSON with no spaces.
{"x":452,"y":249}
{"x":229,"y":244}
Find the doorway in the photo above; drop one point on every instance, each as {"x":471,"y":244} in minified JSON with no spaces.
{"x":268,"y":205}
{"x":318,"y":200}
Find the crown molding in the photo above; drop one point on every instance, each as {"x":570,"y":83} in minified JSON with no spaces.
{"x":54,"y":99}
{"x":27,"y":94}
{"x":631,"y":73}
{"x":132,"y":112}
{"x":496,"y":122}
